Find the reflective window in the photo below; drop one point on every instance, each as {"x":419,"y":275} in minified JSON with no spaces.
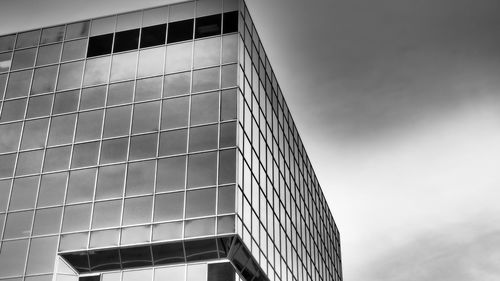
{"x":137,"y":234}
{"x":76,"y":217}
{"x":7,"y":165}
{"x":227,"y":166}
{"x":225,"y":224}
{"x":153,"y":35}
{"x":96,"y":71}
{"x":207,"y":52}
{"x":120,"y":93}
{"x":204,"y":108}
{"x":169,"y":206}
{"x":218,"y":271}
{"x":151,"y":62}
{"x":203,"y":138}
{"x":40,"y":249}
{"x":28,"y":39}
{"x":199,"y":227}
{"x":200,"y":202}
{"x":110,"y":182}
{"x":85,"y":154}
{"x":146,"y":117}
{"x":89,"y":125}
{"x":140,"y":178}
{"x":229,"y":75}
{"x":93,"y":97}
{"x":227,"y":134}
{"x":104,"y":238}
{"x":71,"y":242}
{"x":171,"y":173}
{"x":100,"y":45}
{"x":65,"y":102}
{"x":5,"y":61}
{"x":226,"y":200}
{"x":57,"y":158}
{"x":202,"y":169}
{"x":180,"y":31}
{"x":167,"y":231}
{"x":35,"y":133}
{"x":123,"y":66}
{"x":126,"y":40}
{"x":133,"y":275}
{"x":175,"y":113}
{"x":23,"y":193}
{"x":128,"y":21}
{"x":143,"y":146}
{"x":196,"y":272}
{"x":48,"y":54}
{"x":81,"y":186}
{"x":44,"y":80}
{"x":3,"y":82}
{"x":13,"y":258}
{"x":182,"y":11}
{"x":137,"y":210}
{"x":29,"y":162}
{"x":228,"y":105}
{"x":229,"y":48}
{"x":9,"y":137}
{"x":114,"y":150}
{"x":149,"y":88}
{"x":206,"y":79}
{"x":230,"y":22}
{"x":61,"y":129}
{"x":107,"y":214}
{"x":52,"y":189}
{"x":4,"y":196}
{"x":47,"y":221}
{"x":13,"y":110}
{"x":208,"y":7}
{"x":70,"y":75}
{"x":103,"y":25}
{"x":173,"y":142}
{"x":7,"y":42}
{"x":77,"y":30}
{"x":52,"y":34}
{"x":117,"y":122}
{"x":177,"y":84}
{"x":208,"y":26}
{"x":155,"y":16}
{"x":179,"y":57}
{"x":19,"y":84}
{"x":18,"y":225}
{"x":73,"y":50}
{"x":172,"y":273}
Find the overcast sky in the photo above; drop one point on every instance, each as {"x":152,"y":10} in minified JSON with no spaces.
{"x":398,"y":105}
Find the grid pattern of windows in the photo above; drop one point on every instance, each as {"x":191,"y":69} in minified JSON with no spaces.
{"x":104,"y":146}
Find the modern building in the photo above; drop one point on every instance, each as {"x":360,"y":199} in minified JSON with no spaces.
{"x":155,"y":145}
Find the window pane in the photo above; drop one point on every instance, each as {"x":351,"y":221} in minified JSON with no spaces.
{"x":73,"y":50}
{"x":5,"y":61}
{"x":77,"y":30}
{"x":65,"y":102}
{"x":24,"y":193}
{"x":208,"y":7}
{"x":133,"y":235}
{"x":178,"y":57}
{"x":171,"y":273}
{"x":13,"y":110}
{"x":168,"y":231}
{"x":229,"y":75}
{"x":221,"y":271}
{"x":23,"y":58}
{"x":173,"y":142}
{"x":28,"y":39}
{"x":35,"y":133}
{"x":230,"y":22}
{"x":151,"y":61}
{"x":175,"y":113}
{"x":107,"y":214}
{"x":93,"y":97}
{"x":228,"y":105}
{"x":117,"y":121}
{"x":203,"y":138}
{"x":47,"y":221}
{"x":57,"y":158}
{"x":206,"y":79}
{"x":137,"y":210}
{"x":110,"y":182}
{"x":120,"y":93}
{"x":227,"y":166}
{"x":96,"y":71}
{"x":204,"y":108}
{"x":169,"y":206}
{"x":177,"y":84}
{"x":70,"y":75}
{"x":13,"y":257}
{"x":103,"y":25}
{"x":40,"y":250}
{"x":143,"y":146}
{"x":180,"y":31}
{"x":208,"y":26}
{"x":39,"y":106}
{"x":52,"y":34}
{"x":9,"y":136}
{"x":182,"y":11}
{"x":19,"y":83}
{"x":146,"y":117}
{"x":196,"y":272}
{"x":114,"y":150}
{"x":155,"y":16}
{"x":76,"y":217}
{"x":140,"y":179}
{"x":72,"y":242}
{"x":230,"y":48}
{"x":126,"y":40}
{"x":7,"y":165}
{"x":44,"y":80}
{"x":52,"y":189}
{"x":226,"y":200}
{"x":29,"y":162}
{"x":123,"y":66}
{"x":207,"y":52}
{"x":225,"y":224}
{"x":100,"y":45}
{"x":200,"y":202}
{"x":133,"y":275}
{"x":199,"y":227}
{"x":202,"y":169}
{"x":48,"y":54}
{"x":85,"y":154}
{"x":18,"y":224}
{"x":153,"y":35}
{"x":128,"y":21}
{"x":89,"y":125}
{"x":171,"y":173}
{"x":149,"y":88}
{"x":227,"y":134}
{"x":104,"y":238}
{"x":81,"y":185}
{"x":61,"y":129}
{"x":4,"y":196}
{"x":7,"y":42}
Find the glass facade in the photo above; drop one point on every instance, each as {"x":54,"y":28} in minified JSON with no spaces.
{"x":155,"y":144}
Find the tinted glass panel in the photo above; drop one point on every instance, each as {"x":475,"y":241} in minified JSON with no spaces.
{"x":76,"y":217}
{"x":202,"y":169}
{"x":29,"y":162}
{"x":229,"y":48}
{"x":227,"y":134}
{"x":18,"y":225}
{"x":100,"y":45}
{"x":39,"y":106}
{"x":44,"y":80}
{"x":203,"y":138}
{"x":169,"y":206}
{"x":13,"y":110}
{"x":138,"y":234}
{"x":123,"y":66}
{"x":35,"y":133}
{"x":19,"y":83}
{"x":120,"y":93}
{"x":104,"y":238}
{"x":93,"y":97}
{"x":89,"y":125}
{"x":66,"y":102}
{"x":151,"y":62}
{"x":175,"y":113}
{"x":7,"y":42}
{"x":227,"y":166}
{"x":149,"y":88}
{"x":204,"y":108}
{"x":178,"y":57}
{"x":81,"y":185}
{"x":23,"y":58}
{"x":47,"y":221}
{"x":57,"y":158}
{"x":207,"y":52}
{"x":208,"y":26}
{"x":23,"y":193}
{"x":96,"y":71}
{"x":126,"y":40}
{"x":230,"y":22}
{"x":5,"y":61}
{"x":61,"y":129}
{"x":13,"y":258}
{"x":117,"y":121}
{"x":52,"y":189}
{"x":228,"y":105}
{"x":137,"y":210}
{"x":167,"y":231}
{"x":206,"y":79}
{"x":77,"y":30}
{"x":146,"y":117}
{"x":182,"y":11}
{"x":143,"y":146}
{"x":107,"y":214}
{"x":114,"y":150}
{"x":153,"y":35}
{"x":85,"y":154}
{"x":140,"y":179}
{"x":155,"y":16}
{"x":177,"y":84}
{"x":7,"y":165}
{"x":199,"y":227}
{"x":70,"y":75}
{"x":28,"y":39}
{"x":52,"y":34}
{"x":48,"y":54}
{"x":9,"y":136}
{"x":103,"y":25}
{"x":110,"y":182}
{"x":226,"y":200}
{"x":200,"y":202}
{"x":173,"y":142}
{"x":180,"y":31}
{"x":73,"y":50}
{"x":171,"y":173}
{"x":40,"y":249}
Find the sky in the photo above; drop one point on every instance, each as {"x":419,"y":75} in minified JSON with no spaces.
{"x":398,"y":105}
